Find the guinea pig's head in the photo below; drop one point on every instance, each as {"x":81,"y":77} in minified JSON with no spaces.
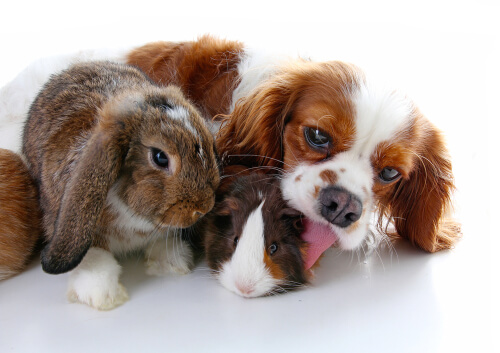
{"x":253,"y":242}
{"x":170,"y":172}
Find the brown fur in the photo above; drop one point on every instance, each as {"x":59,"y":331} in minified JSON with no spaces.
{"x":329,"y":176}
{"x":19,"y":214}
{"x":267,"y":124}
{"x":91,"y":128}
{"x":419,"y":204}
{"x":205,"y":69}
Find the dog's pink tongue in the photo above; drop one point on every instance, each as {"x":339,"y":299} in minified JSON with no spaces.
{"x":319,"y":237}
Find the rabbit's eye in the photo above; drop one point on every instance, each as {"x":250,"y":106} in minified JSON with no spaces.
{"x":159,"y":158}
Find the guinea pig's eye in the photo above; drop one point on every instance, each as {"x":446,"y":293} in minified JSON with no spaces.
{"x":316,"y":138}
{"x":273,"y":248}
{"x":235,"y":242}
{"x":159,"y":158}
{"x":388,"y":175}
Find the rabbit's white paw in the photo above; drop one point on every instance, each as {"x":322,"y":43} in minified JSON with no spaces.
{"x":95,"y":281}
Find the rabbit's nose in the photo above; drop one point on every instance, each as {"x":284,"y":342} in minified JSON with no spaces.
{"x":204,"y":206}
{"x":197,"y":214}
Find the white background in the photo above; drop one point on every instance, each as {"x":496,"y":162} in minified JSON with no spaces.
{"x":442,"y":54}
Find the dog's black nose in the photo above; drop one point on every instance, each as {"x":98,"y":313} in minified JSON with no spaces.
{"x":339,"y":206}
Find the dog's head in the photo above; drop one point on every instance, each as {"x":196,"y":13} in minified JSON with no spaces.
{"x":346,"y":149}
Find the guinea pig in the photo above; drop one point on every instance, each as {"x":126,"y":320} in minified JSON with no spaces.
{"x":252,"y":238}
{"x":121,"y":164}
{"x":20,"y":216}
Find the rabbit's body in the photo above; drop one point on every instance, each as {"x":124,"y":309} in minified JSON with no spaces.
{"x":120,"y":163}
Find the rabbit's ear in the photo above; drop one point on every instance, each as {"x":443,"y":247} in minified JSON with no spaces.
{"x":86,"y":191}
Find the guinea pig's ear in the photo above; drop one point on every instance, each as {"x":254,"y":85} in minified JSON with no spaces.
{"x":420,"y":204}
{"x":296,"y":216}
{"x":86,"y":191}
{"x":227,"y":206}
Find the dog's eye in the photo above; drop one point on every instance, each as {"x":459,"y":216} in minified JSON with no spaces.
{"x":159,"y":158}
{"x":317,"y":138}
{"x":235,"y":242}
{"x":388,"y":175}
{"x":273,"y":248}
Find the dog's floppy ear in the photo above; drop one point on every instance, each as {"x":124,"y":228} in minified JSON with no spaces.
{"x":420,"y":204}
{"x":86,"y":191}
{"x":252,"y":134}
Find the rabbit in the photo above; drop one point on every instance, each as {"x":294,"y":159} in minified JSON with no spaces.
{"x":252,"y":238}
{"x":121,"y":164}
{"x":20,"y":217}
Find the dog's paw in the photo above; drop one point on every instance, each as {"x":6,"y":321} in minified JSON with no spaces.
{"x":170,"y":256}
{"x":95,"y":281}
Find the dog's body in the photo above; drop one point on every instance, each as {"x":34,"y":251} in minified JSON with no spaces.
{"x":348,"y":152}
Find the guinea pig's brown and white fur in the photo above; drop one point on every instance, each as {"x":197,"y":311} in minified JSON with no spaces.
{"x":121,"y":164}
{"x":252,"y":239}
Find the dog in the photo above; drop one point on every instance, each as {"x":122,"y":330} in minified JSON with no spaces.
{"x":348,"y":150}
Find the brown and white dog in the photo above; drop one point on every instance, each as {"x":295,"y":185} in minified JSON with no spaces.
{"x":348,"y":152}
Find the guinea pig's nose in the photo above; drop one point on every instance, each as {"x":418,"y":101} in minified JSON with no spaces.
{"x":245,"y":289}
{"x":339,"y":206}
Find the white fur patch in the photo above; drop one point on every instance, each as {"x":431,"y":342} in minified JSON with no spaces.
{"x":95,"y":281}
{"x":254,"y":68}
{"x":128,"y":224}
{"x":246,"y":273}
{"x":16,"y":97}
{"x":380,"y":113}
{"x":214,"y":126}
{"x":179,"y":113}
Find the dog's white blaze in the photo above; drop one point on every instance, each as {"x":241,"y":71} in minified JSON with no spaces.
{"x":380,"y":113}
{"x":246,"y":273}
